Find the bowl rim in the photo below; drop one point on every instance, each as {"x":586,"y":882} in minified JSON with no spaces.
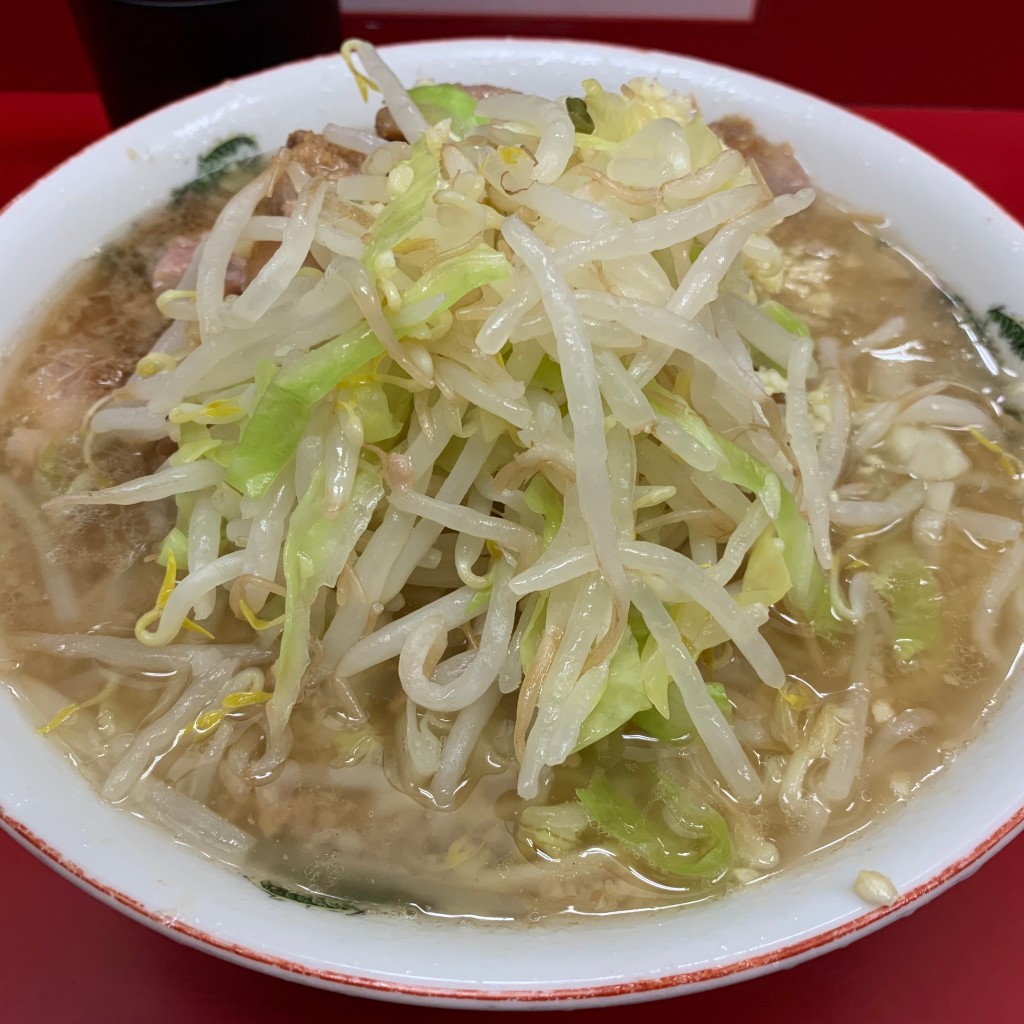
{"x":591,"y":994}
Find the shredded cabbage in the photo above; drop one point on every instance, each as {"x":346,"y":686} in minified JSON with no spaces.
{"x":911,"y":594}
{"x":678,"y":834}
{"x":440,"y":102}
{"x":412,"y":184}
{"x":315,"y":552}
{"x":554,"y":830}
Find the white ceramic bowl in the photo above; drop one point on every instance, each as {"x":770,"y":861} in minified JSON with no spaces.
{"x":946,"y":830}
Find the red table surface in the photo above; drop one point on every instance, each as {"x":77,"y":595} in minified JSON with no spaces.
{"x":67,"y":958}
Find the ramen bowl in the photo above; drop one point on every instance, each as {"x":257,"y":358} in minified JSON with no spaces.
{"x":942,"y":834}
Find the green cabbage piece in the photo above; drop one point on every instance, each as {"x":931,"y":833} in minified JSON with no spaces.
{"x":639,"y":689}
{"x":374,"y":407}
{"x":268,"y":440}
{"x":282,"y":414}
{"x":553,"y":830}
{"x":543,"y":499}
{"x":318,"y":372}
{"x":529,"y":643}
{"x":353,"y":742}
{"x":676,"y":726}
{"x":315,"y":551}
{"x":280,"y":418}
{"x":481,"y":599}
{"x":616,"y":117}
{"x":52,"y":472}
{"x":766,"y":581}
{"x":810,"y":590}
{"x":637,"y":626}
{"x":400,"y":217}
{"x":654,"y":676}
{"x":622,"y":698}
{"x":176,"y":544}
{"x":443,"y":285}
{"x":548,"y":376}
{"x":911,"y":593}
{"x":438,"y":102}
{"x":195,"y":442}
{"x":675,"y":834}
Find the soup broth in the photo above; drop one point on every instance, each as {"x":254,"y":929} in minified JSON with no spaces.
{"x":350,"y":814}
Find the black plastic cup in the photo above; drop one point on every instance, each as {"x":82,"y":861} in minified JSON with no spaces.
{"x":146,"y":53}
